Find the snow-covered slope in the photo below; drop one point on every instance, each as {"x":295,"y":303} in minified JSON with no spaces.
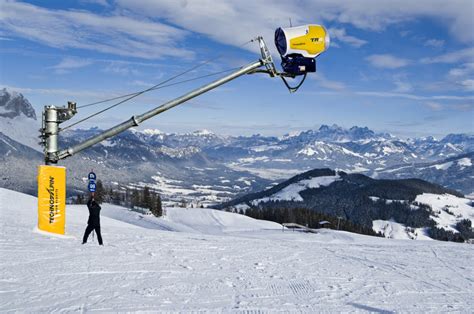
{"x":143,"y":268}
{"x":447,"y":209}
{"x":394,"y":230}
{"x":455,"y":173}
{"x":398,"y":209}
{"x":189,"y":220}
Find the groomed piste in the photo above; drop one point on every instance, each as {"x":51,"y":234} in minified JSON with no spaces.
{"x":212,"y":261}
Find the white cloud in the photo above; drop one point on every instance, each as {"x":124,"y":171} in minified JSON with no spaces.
{"x":462,"y":71}
{"x":329,"y":84}
{"x":462,"y":76}
{"x":120,"y":68}
{"x":103,"y":3}
{"x":61,"y":92}
{"x":413,"y":96}
{"x":115,"y":34}
{"x":402,"y":83}
{"x":229,"y":22}
{"x":436,"y":106}
{"x":437,"y":43}
{"x":468,"y":84}
{"x":339,"y":34}
{"x":402,"y":86}
{"x":464,"y":107}
{"x":466,"y":54}
{"x":387,"y":61}
{"x":69,"y":63}
{"x":232,"y":22}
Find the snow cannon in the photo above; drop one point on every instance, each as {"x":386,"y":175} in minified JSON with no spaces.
{"x":299,"y":46}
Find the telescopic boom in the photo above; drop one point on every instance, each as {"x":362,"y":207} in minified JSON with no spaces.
{"x":136,"y":120}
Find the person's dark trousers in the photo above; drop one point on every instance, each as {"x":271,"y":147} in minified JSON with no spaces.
{"x":88,"y":232}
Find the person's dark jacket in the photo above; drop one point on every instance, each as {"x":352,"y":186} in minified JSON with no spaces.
{"x":94,"y":213}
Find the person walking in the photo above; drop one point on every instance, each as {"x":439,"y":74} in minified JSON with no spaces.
{"x":94,"y":221}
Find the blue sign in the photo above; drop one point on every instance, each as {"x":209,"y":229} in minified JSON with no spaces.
{"x":91,"y":186}
{"x":92,"y":176}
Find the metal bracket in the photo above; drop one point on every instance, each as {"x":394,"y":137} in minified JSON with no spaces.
{"x":51,"y":118}
{"x":266,"y":57}
{"x":271,"y":70}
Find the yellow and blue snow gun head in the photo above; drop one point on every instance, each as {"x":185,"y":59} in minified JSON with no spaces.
{"x":299,"y":46}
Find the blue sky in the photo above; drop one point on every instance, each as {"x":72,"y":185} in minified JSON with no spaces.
{"x":406,"y":67}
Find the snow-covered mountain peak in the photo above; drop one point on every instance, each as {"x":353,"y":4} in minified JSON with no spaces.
{"x":14,"y":104}
{"x":290,"y":135}
{"x":203,"y":132}
{"x":334,"y":127}
{"x":18,"y":119}
{"x":335,"y":133}
{"x":152,"y":132}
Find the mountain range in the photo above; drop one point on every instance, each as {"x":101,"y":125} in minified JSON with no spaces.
{"x":207,"y":168}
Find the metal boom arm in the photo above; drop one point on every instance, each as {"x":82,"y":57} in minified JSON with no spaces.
{"x":136,"y":120}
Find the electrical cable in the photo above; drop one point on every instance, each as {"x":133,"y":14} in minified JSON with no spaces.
{"x":158,"y":87}
{"x":137,"y":93}
{"x":133,"y":95}
{"x":176,"y":76}
{"x":295,"y":88}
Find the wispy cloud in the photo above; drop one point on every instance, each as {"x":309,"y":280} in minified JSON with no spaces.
{"x":402,"y":86}
{"x":468,"y":84}
{"x":339,"y":34}
{"x":464,"y":107}
{"x":462,"y":76}
{"x":436,"y":106}
{"x":323,"y":81}
{"x":69,"y":63}
{"x":466,"y":54}
{"x":387,"y":61}
{"x":413,"y":96}
{"x":103,"y":3}
{"x":437,"y":43}
{"x":120,"y":68}
{"x":114,"y":34}
{"x":218,"y":19}
{"x":61,"y":92}
{"x":402,"y":83}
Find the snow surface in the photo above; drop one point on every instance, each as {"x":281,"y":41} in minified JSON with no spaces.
{"x":394,"y":230}
{"x":145,"y":268}
{"x":465,"y":162}
{"x":444,"y":166}
{"x":292,"y":191}
{"x":448,"y":209}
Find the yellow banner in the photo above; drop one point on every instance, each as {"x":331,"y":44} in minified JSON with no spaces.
{"x":52,"y":199}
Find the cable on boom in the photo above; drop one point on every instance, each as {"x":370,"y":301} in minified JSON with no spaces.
{"x":187,"y":71}
{"x":154,"y":87}
{"x":138,"y":93}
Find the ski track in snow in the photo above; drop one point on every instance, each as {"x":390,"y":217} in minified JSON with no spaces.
{"x":259,"y":271}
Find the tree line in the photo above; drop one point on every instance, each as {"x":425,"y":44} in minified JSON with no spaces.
{"x":307,"y":217}
{"x":145,"y":198}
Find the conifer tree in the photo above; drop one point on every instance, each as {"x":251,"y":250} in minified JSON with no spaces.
{"x":157,"y":209}
{"x":146,"y":199}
